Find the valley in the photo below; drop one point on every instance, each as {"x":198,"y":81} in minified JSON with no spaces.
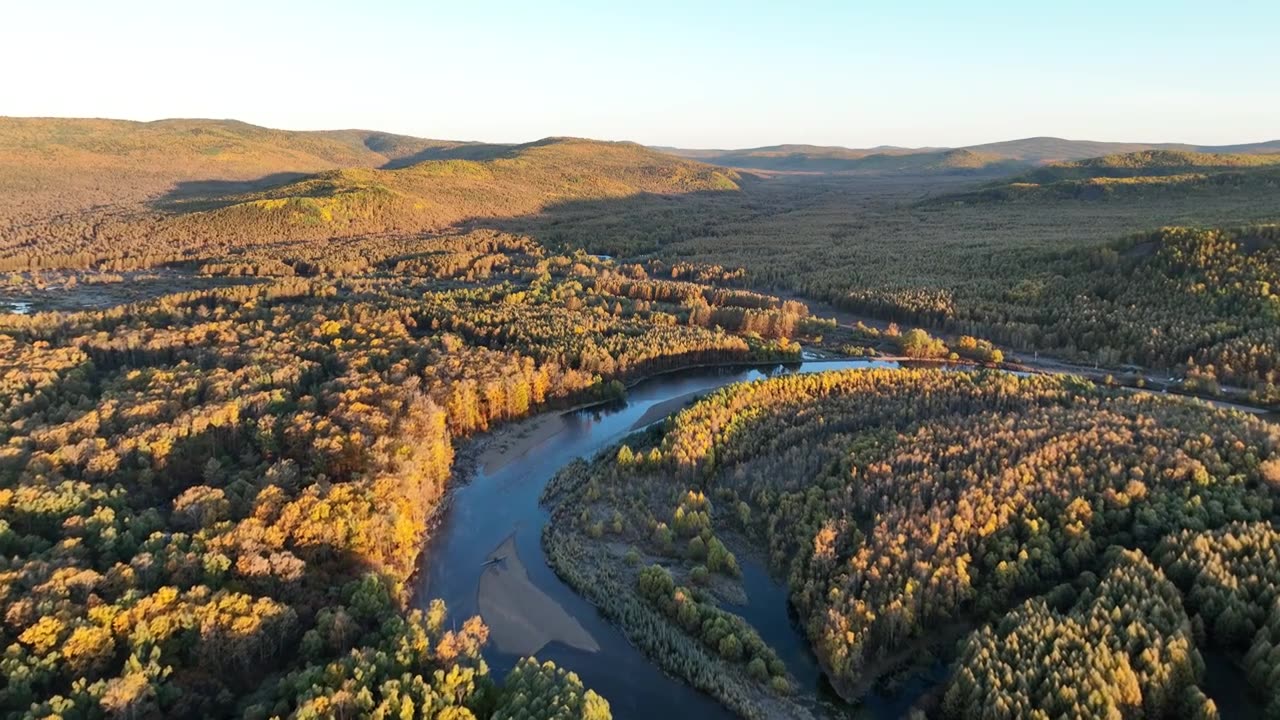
{"x":353,"y":424}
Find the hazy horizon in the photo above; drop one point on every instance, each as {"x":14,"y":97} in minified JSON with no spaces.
{"x":717,"y":75}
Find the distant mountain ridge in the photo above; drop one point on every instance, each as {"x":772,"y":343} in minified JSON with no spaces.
{"x":1008,"y":155}
{"x":122,"y":161}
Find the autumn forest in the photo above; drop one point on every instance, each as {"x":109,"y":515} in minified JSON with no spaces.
{"x":979,"y":432}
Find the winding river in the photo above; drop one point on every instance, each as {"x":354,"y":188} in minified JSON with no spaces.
{"x":486,"y":558}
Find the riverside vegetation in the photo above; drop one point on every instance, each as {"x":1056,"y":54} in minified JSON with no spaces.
{"x":895,"y":502}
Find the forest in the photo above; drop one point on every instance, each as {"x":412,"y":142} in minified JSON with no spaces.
{"x":1055,"y":525}
{"x":212,"y":502}
{"x":1197,"y":299}
{"x":245,"y":368}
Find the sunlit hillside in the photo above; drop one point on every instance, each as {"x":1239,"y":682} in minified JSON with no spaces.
{"x":353,"y":200}
{"x":436,"y":193}
{"x":51,"y":166}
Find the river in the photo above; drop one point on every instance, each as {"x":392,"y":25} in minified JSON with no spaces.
{"x":501,"y":503}
{"x":491,"y":533}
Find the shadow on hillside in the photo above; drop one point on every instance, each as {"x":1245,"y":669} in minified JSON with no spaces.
{"x":468,"y":151}
{"x":196,"y":195}
{"x":643,"y":224}
{"x":465,"y":151}
{"x":630,"y":226}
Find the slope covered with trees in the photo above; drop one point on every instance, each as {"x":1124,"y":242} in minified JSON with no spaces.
{"x":1122,"y":649}
{"x":1127,"y":647}
{"x":898,"y":502}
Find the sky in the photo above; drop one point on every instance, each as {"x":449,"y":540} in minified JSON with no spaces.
{"x":690,"y":74}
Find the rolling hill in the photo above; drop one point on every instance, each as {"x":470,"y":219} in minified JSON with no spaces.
{"x":104,"y":193}
{"x":1038,"y":150}
{"x":989,"y":157}
{"x":1147,"y":163}
{"x":51,"y":166}
{"x":431,"y":194}
{"x":1136,"y":173}
{"x":804,"y":158}
{"x":939,"y":162}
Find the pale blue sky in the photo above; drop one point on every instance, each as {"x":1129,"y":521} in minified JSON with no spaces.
{"x":696,"y":74}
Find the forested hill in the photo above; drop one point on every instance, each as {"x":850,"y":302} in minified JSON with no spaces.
{"x":1005,"y":156}
{"x":1137,"y":173}
{"x":355,"y":199}
{"x":1148,"y":162}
